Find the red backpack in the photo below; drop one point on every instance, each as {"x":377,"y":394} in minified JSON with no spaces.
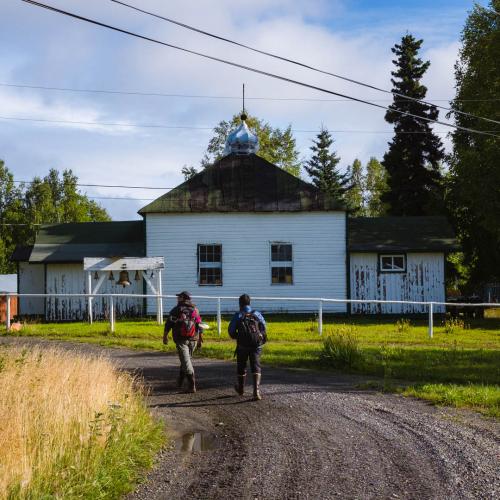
{"x":187,"y":321}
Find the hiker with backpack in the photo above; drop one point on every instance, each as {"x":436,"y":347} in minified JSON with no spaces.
{"x":184,"y":320}
{"x":248,"y":328}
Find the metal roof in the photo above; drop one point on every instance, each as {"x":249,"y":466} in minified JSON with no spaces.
{"x":72,"y":242}
{"x":21,"y":253}
{"x":243,"y":183}
{"x":401,"y":234}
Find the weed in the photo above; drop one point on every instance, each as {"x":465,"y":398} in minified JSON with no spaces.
{"x":403,"y":325}
{"x":452,"y":325}
{"x":341,"y":348}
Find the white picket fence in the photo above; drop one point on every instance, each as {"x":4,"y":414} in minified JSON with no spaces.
{"x":159,"y":316}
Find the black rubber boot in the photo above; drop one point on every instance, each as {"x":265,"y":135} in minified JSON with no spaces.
{"x":239,"y":387}
{"x":192,"y":383}
{"x":256,"y":387}
{"x":180,"y":378}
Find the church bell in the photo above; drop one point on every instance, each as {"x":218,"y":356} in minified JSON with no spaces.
{"x":124,"y":279}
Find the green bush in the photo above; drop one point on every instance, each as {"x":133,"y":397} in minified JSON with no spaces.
{"x":341,"y":348}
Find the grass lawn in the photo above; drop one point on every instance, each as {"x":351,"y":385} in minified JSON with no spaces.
{"x":460,"y":366}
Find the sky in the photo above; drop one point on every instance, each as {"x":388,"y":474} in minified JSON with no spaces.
{"x":348,"y":37}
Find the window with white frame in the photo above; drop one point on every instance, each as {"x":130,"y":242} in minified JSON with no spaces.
{"x":209,"y":265}
{"x":281,"y":264}
{"x":392,"y":263}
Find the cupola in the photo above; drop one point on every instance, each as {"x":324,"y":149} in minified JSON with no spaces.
{"x":241,"y":141}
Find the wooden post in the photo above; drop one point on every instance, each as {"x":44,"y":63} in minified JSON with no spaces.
{"x":7,"y":322}
{"x":320,"y":318}
{"x":431,"y":321}
{"x":160,"y":300}
{"x":219,"y":320}
{"x":89,"y":291}
{"x":111,"y":314}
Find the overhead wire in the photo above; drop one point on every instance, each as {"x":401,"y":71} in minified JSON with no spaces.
{"x":103,"y":185}
{"x":297,"y":63}
{"x":197,"y":96}
{"x":192,"y":127}
{"x":249,"y":68}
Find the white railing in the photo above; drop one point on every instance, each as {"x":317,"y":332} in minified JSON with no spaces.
{"x":320,"y":301}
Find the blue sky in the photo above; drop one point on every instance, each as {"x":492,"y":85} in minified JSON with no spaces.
{"x":350,"y":37}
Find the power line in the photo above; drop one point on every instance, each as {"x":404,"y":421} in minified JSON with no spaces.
{"x":297,"y":63}
{"x":249,"y":68}
{"x":195,"y":96}
{"x":104,"y":185}
{"x":192,"y":127}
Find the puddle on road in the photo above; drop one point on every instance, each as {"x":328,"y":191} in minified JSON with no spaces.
{"x":195,"y":441}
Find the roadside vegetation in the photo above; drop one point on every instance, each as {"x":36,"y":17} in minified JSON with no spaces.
{"x":73,"y":426}
{"x":460,"y":366}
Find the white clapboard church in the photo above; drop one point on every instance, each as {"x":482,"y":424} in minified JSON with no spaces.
{"x":243,"y":225}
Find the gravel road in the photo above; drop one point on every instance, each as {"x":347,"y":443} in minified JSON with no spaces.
{"x":314,"y":435}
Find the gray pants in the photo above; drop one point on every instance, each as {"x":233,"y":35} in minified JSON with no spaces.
{"x":185,"y":350}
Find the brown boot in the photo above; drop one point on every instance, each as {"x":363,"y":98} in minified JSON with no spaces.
{"x":180,"y":378}
{"x":239,"y":387}
{"x":192,"y":383}
{"x":256,"y":387}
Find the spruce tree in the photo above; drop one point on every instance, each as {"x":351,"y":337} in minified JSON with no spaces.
{"x":415,"y":153}
{"x":322,"y":167}
{"x":354,"y":196}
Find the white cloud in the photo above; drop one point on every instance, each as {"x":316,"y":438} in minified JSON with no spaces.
{"x":46,"y":49}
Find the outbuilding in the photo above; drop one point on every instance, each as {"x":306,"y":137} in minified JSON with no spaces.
{"x":398,"y":258}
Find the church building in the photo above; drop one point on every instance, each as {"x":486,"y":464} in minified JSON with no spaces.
{"x":244,"y":225}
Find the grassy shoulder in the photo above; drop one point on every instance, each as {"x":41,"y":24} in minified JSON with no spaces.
{"x":77,"y":428}
{"x":463,"y":356}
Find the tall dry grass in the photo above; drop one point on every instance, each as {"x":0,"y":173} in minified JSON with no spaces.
{"x":72,"y":425}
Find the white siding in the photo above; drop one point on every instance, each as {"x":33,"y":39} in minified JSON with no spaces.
{"x":31,"y":280}
{"x":319,"y":259}
{"x":423,"y":281}
{"x":70,"y":278}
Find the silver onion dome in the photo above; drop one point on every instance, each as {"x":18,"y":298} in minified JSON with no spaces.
{"x":241,"y":141}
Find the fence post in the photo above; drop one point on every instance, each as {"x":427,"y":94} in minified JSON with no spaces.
{"x":320,"y":318}
{"x":219,"y":321}
{"x":8,"y":312}
{"x":89,"y":291}
{"x":431,"y":321}
{"x":111,"y":314}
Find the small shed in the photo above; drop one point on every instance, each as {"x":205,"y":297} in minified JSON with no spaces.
{"x":54,"y":264}
{"x":398,"y":258}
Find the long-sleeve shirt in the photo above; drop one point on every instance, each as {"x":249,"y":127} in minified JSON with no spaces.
{"x":233,"y":325}
{"x":173,"y":324}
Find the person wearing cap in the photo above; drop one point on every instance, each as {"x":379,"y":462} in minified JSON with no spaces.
{"x":248,"y":328}
{"x":184,"y":320}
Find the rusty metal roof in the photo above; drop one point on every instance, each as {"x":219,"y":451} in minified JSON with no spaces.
{"x":71,"y":242}
{"x":245,"y":183}
{"x":401,"y":234}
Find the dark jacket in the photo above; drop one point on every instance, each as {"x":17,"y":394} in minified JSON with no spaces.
{"x":233,"y":325}
{"x":175,"y":326}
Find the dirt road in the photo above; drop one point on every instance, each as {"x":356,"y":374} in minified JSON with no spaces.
{"x":313,"y":436}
